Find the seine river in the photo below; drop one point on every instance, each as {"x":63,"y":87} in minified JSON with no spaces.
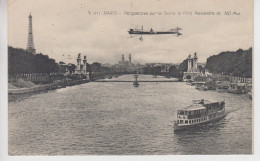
{"x":118,"y":119}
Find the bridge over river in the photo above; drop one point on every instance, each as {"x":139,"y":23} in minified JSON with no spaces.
{"x":138,"y":81}
{"x":141,"y":78}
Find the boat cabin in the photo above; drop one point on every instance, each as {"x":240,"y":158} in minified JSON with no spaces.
{"x":200,"y":111}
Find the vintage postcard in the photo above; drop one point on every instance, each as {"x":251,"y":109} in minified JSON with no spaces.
{"x":131,"y":77}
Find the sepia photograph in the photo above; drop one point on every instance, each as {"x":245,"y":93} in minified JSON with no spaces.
{"x":158,"y":77}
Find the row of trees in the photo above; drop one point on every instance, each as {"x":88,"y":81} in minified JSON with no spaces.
{"x":236,"y":63}
{"x":21,"y":61}
{"x":152,"y":70}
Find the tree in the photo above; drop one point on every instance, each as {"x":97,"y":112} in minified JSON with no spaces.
{"x":236,"y":63}
{"x":173,"y":70}
{"x":96,"y":67}
{"x":21,"y":61}
{"x":182,"y":68}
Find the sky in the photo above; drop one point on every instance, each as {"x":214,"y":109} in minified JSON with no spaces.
{"x":65,"y":27}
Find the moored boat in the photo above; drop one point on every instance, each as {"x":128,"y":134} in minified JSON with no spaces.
{"x":197,"y":83}
{"x":237,"y":88}
{"x":222,"y":85}
{"x":250,"y":95}
{"x":201,"y":87}
{"x":200,"y":112}
{"x":221,"y":90}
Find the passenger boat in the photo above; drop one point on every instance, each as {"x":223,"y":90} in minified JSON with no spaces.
{"x":200,"y":112}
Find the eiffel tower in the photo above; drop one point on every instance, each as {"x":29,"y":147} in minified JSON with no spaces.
{"x":30,"y":46}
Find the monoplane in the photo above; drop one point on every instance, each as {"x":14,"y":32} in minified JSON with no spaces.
{"x":141,"y":32}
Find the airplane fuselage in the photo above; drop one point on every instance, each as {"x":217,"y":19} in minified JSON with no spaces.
{"x":132,"y":32}
{"x":150,"y":33}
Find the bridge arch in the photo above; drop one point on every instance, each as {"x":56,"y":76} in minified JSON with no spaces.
{"x":188,"y":77}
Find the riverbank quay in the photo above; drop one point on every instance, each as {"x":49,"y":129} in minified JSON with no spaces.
{"x":222,"y":83}
{"x":134,"y":81}
{"x":33,"y":83}
{"x":25,"y":86}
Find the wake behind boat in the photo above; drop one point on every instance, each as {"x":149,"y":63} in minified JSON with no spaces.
{"x":200,"y":112}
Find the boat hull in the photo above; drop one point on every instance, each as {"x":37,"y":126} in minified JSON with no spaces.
{"x":179,"y":128}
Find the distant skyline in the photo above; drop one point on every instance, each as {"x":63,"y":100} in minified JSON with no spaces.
{"x":64,"y":27}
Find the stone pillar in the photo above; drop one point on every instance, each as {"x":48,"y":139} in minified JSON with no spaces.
{"x":195,"y":65}
{"x":130,"y":58}
{"x":189,"y":64}
{"x":78,"y":63}
{"x":123,"y":58}
{"x":85,"y":64}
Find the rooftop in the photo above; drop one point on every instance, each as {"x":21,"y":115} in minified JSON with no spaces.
{"x":204,"y":101}
{"x":195,"y":107}
{"x":199,"y":105}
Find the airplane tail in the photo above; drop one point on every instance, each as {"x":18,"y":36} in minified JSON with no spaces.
{"x":179,"y":34}
{"x":176,"y":29}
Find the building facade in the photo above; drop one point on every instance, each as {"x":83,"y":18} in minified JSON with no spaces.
{"x":125,"y":66}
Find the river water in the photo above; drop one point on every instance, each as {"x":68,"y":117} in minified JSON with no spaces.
{"x":116,"y":118}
